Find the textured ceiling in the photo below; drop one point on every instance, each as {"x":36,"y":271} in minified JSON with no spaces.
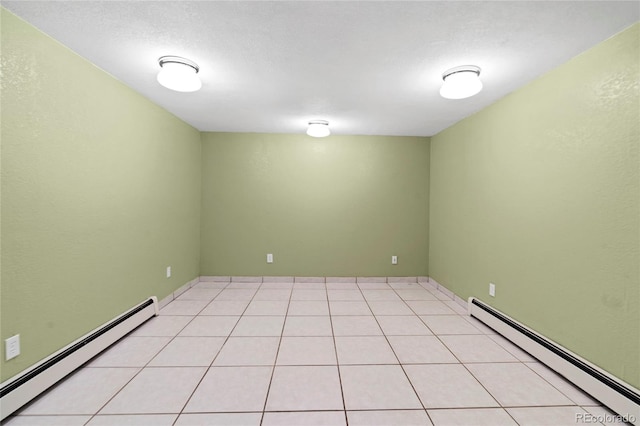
{"x":366,"y":67}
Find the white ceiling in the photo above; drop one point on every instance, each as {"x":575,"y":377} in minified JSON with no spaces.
{"x":366,"y":67}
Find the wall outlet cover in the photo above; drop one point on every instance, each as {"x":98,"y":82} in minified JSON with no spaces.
{"x":12,"y":347}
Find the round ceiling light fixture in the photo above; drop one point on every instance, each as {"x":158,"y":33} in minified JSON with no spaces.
{"x":461,"y":82}
{"x":318,"y":128}
{"x":179,"y":74}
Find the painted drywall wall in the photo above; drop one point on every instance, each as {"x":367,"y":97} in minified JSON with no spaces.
{"x":100,"y":192}
{"x":337,"y":206}
{"x":540,"y":193}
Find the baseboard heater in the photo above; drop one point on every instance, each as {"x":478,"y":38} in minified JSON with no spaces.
{"x":619,"y":396}
{"x":22,"y":388}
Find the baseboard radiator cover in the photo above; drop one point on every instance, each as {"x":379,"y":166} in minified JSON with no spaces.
{"x":22,"y":388}
{"x":619,"y":396}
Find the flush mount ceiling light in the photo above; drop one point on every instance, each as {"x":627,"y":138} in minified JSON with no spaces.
{"x":461,"y":82}
{"x":318,"y":128}
{"x":179,"y":74}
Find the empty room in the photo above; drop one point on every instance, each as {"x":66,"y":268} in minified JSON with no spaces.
{"x":320,"y":213}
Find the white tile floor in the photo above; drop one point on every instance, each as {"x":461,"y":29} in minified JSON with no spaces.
{"x":311,"y":354}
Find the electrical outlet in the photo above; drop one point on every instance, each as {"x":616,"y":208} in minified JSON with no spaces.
{"x":269,"y":258}
{"x":394,"y":260}
{"x":492,"y":290}
{"x":168,"y":271}
{"x":12,"y":347}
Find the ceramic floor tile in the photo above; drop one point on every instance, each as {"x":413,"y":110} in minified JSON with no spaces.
{"x":241,"y":285}
{"x":307,"y":326}
{"x":479,"y":325}
{"x":259,"y":326}
{"x":231,"y":389}
{"x":421,"y":350}
{"x":305,"y":418}
{"x":310,"y":280}
{"x":442,"y":295}
{"x":545,"y":416}
{"x":415,"y":294}
{"x":429,"y":285}
{"x":184,"y":307}
{"x":377,"y":387}
{"x":46,"y":420}
{"x":162,"y":326}
{"x":307,"y":351}
{"x":305,"y":388}
{"x":388,"y":418}
{"x":405,"y":285}
{"x":349,"y":308}
{"x":309,"y":286}
{"x":130,"y":351}
{"x":225,"y":308}
{"x":449,"y":324}
{"x":341,"y":286}
{"x":516,"y":385}
{"x":384,"y":307}
{"x":364,"y":350}
{"x":448,"y":386}
{"x":212,"y":326}
{"x":277,"y":285}
{"x":308,"y":307}
{"x":188,"y":352}
{"x":476,"y":348}
{"x":345,"y":295}
{"x":133,"y":420}
{"x":429,"y":307}
{"x":456,"y":307}
{"x":370,"y":295}
{"x":206,"y":294}
{"x":400,"y":325}
{"x":567,"y":388}
{"x":236,"y":294}
{"x":374,"y":286}
{"x":469,"y":416}
{"x":91,"y":388}
{"x":341,"y":280}
{"x":308,"y":294}
{"x":512,"y":349}
{"x":211,"y":284}
{"x":220,"y":419}
{"x":273,"y":294}
{"x":267,"y":307}
{"x":355,"y":326}
{"x":248,"y":351}
{"x":156,"y":390}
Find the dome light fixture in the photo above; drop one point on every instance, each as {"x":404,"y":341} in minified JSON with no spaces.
{"x":179,"y":74}
{"x":318,"y":128}
{"x":461,"y":82}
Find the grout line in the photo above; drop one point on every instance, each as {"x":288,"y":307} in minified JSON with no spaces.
{"x":437,"y":336}
{"x":275,"y":361}
{"x":415,"y":392}
{"x":338,"y":365}
{"x":335,"y":349}
{"x":207,"y":369}
{"x":145,"y":366}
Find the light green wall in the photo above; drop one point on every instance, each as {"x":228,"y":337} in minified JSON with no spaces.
{"x":338,"y":206}
{"x":100,"y":192}
{"x":540,"y":194}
